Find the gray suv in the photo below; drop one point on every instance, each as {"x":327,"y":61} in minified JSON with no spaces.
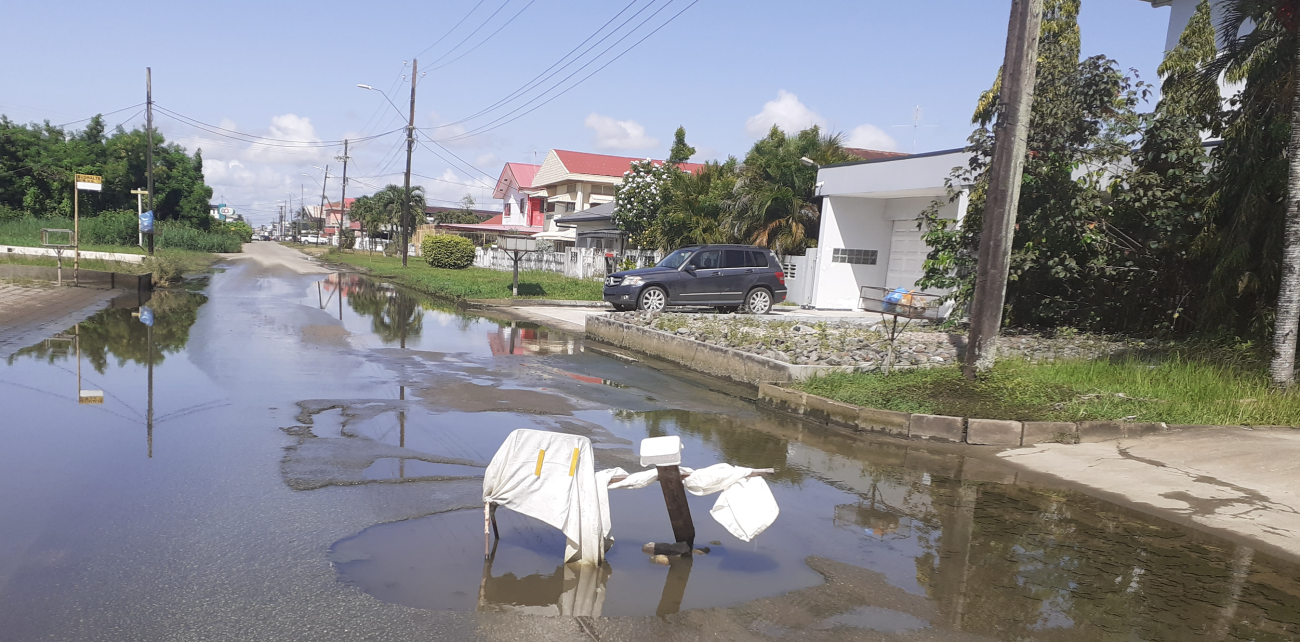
{"x":727,"y":277}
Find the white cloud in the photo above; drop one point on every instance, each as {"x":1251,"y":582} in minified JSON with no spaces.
{"x":619,"y":134}
{"x":785,"y":112}
{"x":871,"y":137}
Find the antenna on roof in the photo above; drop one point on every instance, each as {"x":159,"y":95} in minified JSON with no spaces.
{"x":916,"y":124}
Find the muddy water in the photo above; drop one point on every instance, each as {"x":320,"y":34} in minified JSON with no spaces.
{"x":305,"y":462}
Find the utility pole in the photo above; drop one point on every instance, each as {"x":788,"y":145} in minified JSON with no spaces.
{"x":148,"y":99}
{"x":343,"y":200}
{"x":1011,"y":134}
{"x":281,"y":234}
{"x":410,"y":147}
{"x":323,"y":182}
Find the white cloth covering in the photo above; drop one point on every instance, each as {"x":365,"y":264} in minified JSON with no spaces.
{"x":564,"y":495}
{"x":745,"y":508}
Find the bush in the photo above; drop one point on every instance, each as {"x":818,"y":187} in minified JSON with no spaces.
{"x":239,"y":229}
{"x":347,"y":239}
{"x":448,"y":251}
{"x":119,"y":227}
{"x":10,"y":214}
{"x":166,"y":269}
{"x":170,"y":234}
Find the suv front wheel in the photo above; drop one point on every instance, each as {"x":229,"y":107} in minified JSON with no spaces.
{"x":653,"y":299}
{"x":759,"y":301}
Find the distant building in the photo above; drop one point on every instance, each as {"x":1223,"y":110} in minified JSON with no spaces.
{"x":522,"y":205}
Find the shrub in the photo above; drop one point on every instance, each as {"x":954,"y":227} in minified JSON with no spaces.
{"x":347,"y":239}
{"x":118,"y":227}
{"x":448,"y":251}
{"x":10,"y":214}
{"x":166,"y":269}
{"x":171,"y":234}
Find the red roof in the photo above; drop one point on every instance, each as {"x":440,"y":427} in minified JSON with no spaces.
{"x":522,"y":173}
{"x":873,"y":154}
{"x":488,"y":227}
{"x":495,"y":220}
{"x":602,"y":165}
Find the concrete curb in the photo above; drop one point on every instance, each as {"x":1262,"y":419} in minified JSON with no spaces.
{"x":973,"y":431}
{"x":547,"y":303}
{"x":67,"y":254}
{"x":737,"y":365}
{"x":86,"y":279}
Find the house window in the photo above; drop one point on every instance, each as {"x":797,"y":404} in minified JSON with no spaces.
{"x":572,"y":188}
{"x":856,"y":257}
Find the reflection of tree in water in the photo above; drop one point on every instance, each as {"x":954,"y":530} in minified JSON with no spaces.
{"x":117,"y":333}
{"x":394,"y":314}
{"x":740,"y":444}
{"x":1011,"y":562}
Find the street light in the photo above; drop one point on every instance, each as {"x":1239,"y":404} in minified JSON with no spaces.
{"x":381,"y":93}
{"x":809,"y":162}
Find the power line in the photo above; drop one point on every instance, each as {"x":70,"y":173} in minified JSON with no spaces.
{"x":115,"y":111}
{"x":471,"y":34}
{"x":255,"y":139}
{"x":492,"y":125}
{"x":444,"y":158}
{"x":453,"y":28}
{"x":485,"y":40}
{"x":539,"y":77}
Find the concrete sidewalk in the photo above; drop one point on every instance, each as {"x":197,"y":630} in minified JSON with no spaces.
{"x":29,"y":314}
{"x":1240,"y":480}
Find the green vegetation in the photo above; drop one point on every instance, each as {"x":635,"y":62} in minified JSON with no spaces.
{"x":118,"y":232}
{"x":447,"y":251}
{"x":1175,"y":387}
{"x":472,"y":282}
{"x":167,"y":265}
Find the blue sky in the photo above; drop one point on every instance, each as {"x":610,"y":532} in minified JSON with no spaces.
{"x":723,"y":69}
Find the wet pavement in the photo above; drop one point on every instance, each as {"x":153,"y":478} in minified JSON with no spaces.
{"x":288,"y":456}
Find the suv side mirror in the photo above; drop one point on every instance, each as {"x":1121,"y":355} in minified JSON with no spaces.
{"x":689,"y":268}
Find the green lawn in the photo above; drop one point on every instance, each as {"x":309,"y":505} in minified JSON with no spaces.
{"x":1171,"y":387}
{"x":470,"y":283}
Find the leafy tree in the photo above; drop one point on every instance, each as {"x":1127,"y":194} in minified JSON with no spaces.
{"x":773,"y":203}
{"x":681,"y":152}
{"x":463,"y":216}
{"x":694,"y":211}
{"x":639,"y":199}
{"x":1082,"y":121}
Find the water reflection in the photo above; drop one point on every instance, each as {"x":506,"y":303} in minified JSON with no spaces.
{"x":523,"y":338}
{"x":118,"y":333}
{"x":395,"y":314}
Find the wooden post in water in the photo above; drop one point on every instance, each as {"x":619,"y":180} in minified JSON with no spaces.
{"x":679,"y":512}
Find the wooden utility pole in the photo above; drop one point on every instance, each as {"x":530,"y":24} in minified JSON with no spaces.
{"x":1011,"y":134}
{"x":410,"y":147}
{"x":343,"y":200}
{"x":323,"y":183}
{"x":148,"y":99}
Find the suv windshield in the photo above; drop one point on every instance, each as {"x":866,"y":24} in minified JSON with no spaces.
{"x":676,"y":259}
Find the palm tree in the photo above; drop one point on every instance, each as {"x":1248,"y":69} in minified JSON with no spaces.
{"x":1266,"y":57}
{"x":694,"y":214}
{"x":773,"y":203}
{"x":383,"y":209}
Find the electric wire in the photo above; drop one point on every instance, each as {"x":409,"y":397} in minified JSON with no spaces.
{"x":471,"y":34}
{"x":485,"y":40}
{"x":492,"y":124}
{"x":254,"y":138}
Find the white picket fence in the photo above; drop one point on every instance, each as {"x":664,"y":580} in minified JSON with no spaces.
{"x":581,"y":263}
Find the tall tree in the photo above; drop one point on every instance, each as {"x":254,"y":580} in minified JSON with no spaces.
{"x":694,"y":212}
{"x":681,"y":152}
{"x":774,"y":202}
{"x":1257,"y":201}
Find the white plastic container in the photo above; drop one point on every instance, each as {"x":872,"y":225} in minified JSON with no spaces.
{"x":661,"y":451}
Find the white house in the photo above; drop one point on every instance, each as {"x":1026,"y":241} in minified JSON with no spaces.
{"x":869,"y":233}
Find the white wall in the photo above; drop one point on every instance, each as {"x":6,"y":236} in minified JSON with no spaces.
{"x":853,"y":223}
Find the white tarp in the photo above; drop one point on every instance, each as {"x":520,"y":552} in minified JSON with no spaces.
{"x":562,"y":490}
{"x":745,"y":508}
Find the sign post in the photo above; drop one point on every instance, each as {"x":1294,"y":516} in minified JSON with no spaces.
{"x":88,"y":183}
{"x":517,"y":246}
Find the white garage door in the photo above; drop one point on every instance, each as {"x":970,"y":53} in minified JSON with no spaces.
{"x":906,"y":255}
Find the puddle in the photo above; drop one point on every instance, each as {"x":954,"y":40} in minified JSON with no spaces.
{"x":282,"y":421}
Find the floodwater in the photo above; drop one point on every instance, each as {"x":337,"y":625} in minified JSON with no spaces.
{"x":283,"y":457}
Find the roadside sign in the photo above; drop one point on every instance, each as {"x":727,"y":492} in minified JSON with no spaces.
{"x":146,"y":222}
{"x":90,"y":183}
{"x":146,"y":315}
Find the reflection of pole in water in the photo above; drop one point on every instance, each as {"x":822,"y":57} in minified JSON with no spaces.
{"x":149,"y":415}
{"x":401,"y":435}
{"x":1242,"y":557}
{"x":954,"y":551}
{"x":679,"y":572}
{"x":339,"y":280}
{"x":512,"y":338}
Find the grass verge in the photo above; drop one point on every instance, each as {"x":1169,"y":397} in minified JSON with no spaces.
{"x":172,"y":260}
{"x":1171,"y":387}
{"x":470,"y":283}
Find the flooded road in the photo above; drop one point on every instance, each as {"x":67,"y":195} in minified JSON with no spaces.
{"x":284,"y":456}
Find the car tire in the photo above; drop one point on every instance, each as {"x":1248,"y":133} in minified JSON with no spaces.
{"x":652,"y":299}
{"x":758,"y":301}
{"x":622,"y":307}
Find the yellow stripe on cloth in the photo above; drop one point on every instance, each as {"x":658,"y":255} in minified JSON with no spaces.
{"x":573,"y":466}
{"x":541,"y":454}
